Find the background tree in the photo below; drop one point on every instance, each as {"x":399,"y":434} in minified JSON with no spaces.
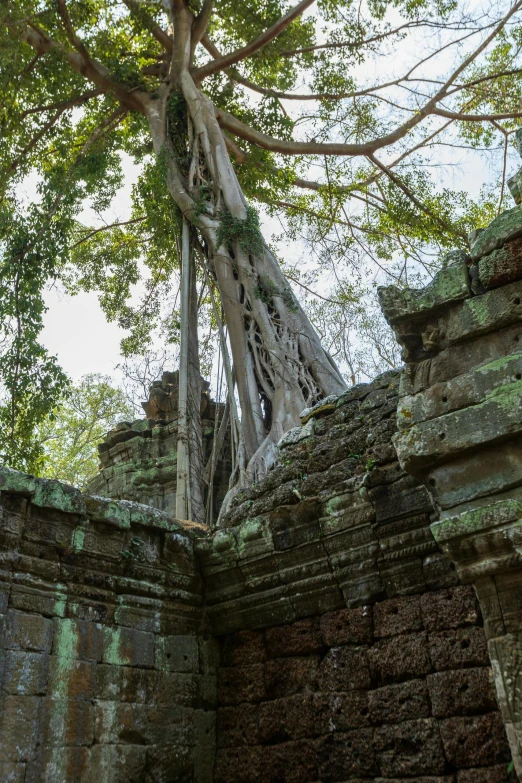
{"x":92,"y":407}
{"x":287,"y":93}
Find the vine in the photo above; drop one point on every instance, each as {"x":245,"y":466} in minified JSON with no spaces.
{"x":247,"y":232}
{"x":266,"y":290}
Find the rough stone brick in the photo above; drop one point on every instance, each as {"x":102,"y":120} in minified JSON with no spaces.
{"x":241,"y":683}
{"x":65,"y":722}
{"x":286,"y":719}
{"x":128,"y":647}
{"x":497,"y":774}
{"x":143,"y":724}
{"x":72,"y":679}
{"x":458,"y":648}
{"x":21,"y":631}
{"x":78,"y":639}
{"x":10,"y":772}
{"x":25,"y":673}
{"x":396,"y":616}
{"x":293,"y":762}
{"x":238,"y":765}
{"x":237,"y":726}
{"x":243,"y":648}
{"x":451,"y":608}
{"x":177,"y":653}
{"x":18,"y":727}
{"x":344,"y":669}
{"x":118,"y":763}
{"x":400,"y":658}
{"x":169,"y":688}
{"x":394,"y":703}
{"x":340,"y":711}
{"x":476,"y":741}
{"x":301,"y":638}
{"x":410,"y":748}
{"x":286,"y":676}
{"x":347,"y":626}
{"x":462,"y":692}
{"x":345,"y":755}
{"x":51,"y":766}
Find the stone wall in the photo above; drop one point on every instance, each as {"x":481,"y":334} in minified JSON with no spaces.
{"x":349,"y":650}
{"x":460,"y":427}
{"x":106,"y":673}
{"x":400,"y":690}
{"x":138,"y":459}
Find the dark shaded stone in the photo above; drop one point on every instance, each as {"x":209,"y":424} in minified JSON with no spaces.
{"x":287,"y":676}
{"x":238,"y":765}
{"x":400,"y":658}
{"x":347,"y":626}
{"x":395,"y":703}
{"x":451,"y":608}
{"x":462,"y":692}
{"x":241,"y":683}
{"x":345,"y":755}
{"x":410,"y":748}
{"x":399,"y":615}
{"x":301,"y":638}
{"x":457,"y":648}
{"x":497,"y":774}
{"x":291,"y":762}
{"x":243,"y":648}
{"x":340,"y":711}
{"x":286,"y":719}
{"x":476,"y":741}
{"x":344,"y":669}
{"x":237,"y":726}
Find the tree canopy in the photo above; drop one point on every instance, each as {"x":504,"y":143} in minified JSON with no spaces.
{"x":339,"y":119}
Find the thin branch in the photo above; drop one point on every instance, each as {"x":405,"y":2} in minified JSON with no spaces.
{"x":254,"y":46}
{"x":159,"y":34}
{"x":107,"y":228}
{"x":68,"y":104}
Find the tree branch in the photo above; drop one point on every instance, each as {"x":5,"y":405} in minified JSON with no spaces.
{"x":63,"y":105}
{"x":159,"y":34}
{"x":258,"y":43}
{"x":107,"y":228}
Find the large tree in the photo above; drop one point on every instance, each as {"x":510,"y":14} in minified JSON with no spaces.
{"x":199,"y":94}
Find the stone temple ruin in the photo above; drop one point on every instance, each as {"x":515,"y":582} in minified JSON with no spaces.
{"x":358,"y":616}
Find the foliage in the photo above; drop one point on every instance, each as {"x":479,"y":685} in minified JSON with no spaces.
{"x":385,"y":216}
{"x":70,"y":436}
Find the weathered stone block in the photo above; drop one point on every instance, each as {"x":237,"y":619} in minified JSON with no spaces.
{"x":286,"y":719}
{"x":347,"y":626}
{"x":128,"y":647}
{"x":143,"y":724}
{"x":237,"y":726}
{"x":243,"y":648}
{"x":400,"y":658}
{"x":451,"y":608}
{"x":399,"y":615}
{"x":458,"y":648}
{"x":395,"y":703}
{"x":504,"y":228}
{"x":476,"y":741}
{"x":301,"y":638}
{"x":18,"y":727}
{"x":118,"y":763}
{"x":463,"y":692}
{"x":238,"y":764}
{"x":241,"y":683}
{"x":344,"y":669}
{"x":346,"y":755}
{"x":63,"y":722}
{"x":11,"y":772}
{"x":50,"y":766}
{"x":78,"y":639}
{"x":340,"y":711}
{"x":409,"y":749}
{"x":295,"y":762}
{"x":287,"y":676}
{"x":28,"y":632}
{"x":25,"y":673}
{"x":497,"y":774}
{"x":177,"y":653}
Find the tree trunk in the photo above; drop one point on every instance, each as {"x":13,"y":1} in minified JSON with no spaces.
{"x":279,"y":363}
